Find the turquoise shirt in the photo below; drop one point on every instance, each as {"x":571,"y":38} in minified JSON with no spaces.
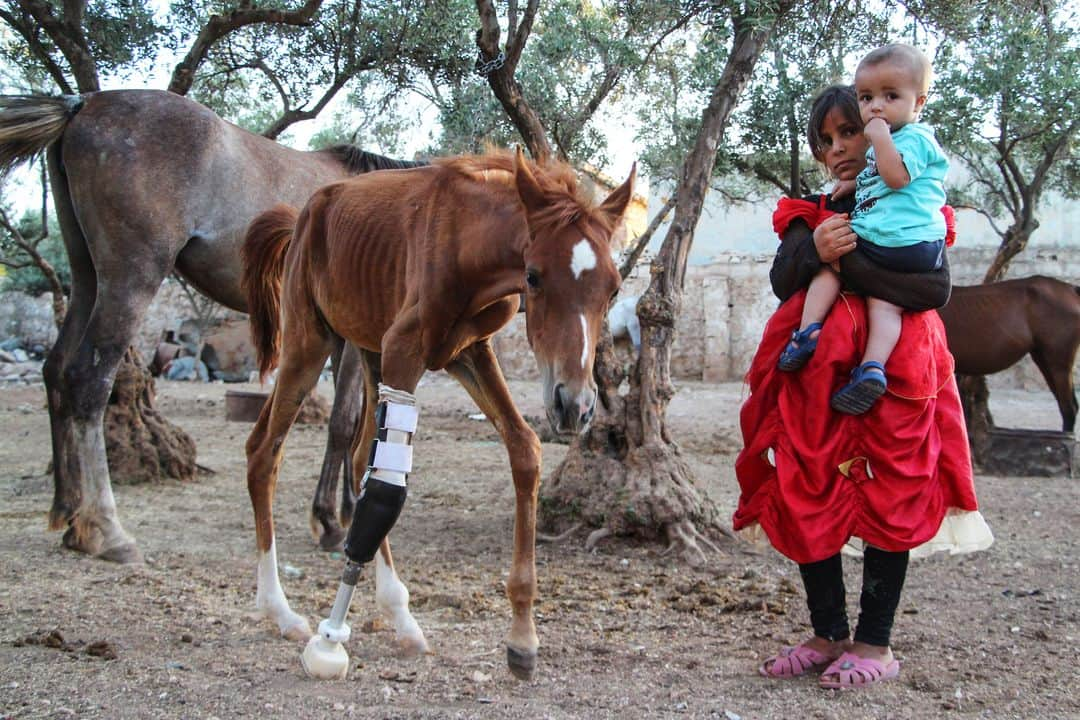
{"x":912,"y":214}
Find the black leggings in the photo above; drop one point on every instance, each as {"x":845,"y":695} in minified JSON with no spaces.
{"x":883,"y":579}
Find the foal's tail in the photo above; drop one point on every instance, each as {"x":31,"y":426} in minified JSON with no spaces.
{"x":31,"y":123}
{"x":263,"y":258}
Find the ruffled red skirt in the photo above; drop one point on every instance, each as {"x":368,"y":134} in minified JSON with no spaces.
{"x":813,"y":478}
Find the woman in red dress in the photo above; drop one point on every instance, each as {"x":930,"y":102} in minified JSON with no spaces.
{"x":894,"y":480}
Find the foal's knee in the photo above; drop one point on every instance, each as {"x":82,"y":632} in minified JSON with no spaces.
{"x":525,"y":455}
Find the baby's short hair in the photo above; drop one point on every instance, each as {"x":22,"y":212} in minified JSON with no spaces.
{"x":909,"y":57}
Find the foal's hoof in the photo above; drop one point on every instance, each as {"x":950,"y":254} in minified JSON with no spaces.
{"x":412,"y":646}
{"x":126,"y":554}
{"x":298,"y":632}
{"x":522,"y":664}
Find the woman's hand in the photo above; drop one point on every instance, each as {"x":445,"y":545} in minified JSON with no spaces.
{"x":834,"y":238}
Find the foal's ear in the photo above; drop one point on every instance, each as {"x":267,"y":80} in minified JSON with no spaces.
{"x":615,"y":204}
{"x":528,"y":189}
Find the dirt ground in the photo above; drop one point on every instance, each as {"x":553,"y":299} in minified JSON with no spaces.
{"x":624,"y":632}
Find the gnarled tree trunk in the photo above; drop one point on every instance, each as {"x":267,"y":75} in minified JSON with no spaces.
{"x":141,"y":445}
{"x":626,"y":475}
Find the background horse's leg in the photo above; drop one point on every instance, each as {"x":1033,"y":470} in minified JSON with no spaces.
{"x":67,"y":482}
{"x":478,"y":371}
{"x":130,"y":266}
{"x":344,"y":425}
{"x":302,"y":362}
{"x":371,"y":364}
{"x":1056,"y":365}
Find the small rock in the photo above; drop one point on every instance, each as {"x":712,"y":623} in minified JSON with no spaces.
{"x":291,"y":571}
{"x":102,"y":649}
{"x":731,"y":716}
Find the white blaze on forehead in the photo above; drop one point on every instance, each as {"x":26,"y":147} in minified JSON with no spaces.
{"x":583,"y":258}
{"x":584,"y":340}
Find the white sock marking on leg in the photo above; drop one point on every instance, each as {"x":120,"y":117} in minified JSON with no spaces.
{"x":392,"y":598}
{"x":270,"y":598}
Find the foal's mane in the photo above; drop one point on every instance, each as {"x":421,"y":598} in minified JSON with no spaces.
{"x":566,"y":201}
{"x":358,"y":161}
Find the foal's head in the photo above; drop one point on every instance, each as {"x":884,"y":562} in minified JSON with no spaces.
{"x":570,"y":279}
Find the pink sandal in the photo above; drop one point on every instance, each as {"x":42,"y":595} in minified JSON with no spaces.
{"x":852,"y":671}
{"x":793,"y":662}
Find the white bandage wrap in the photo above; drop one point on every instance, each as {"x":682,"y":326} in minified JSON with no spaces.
{"x":392,"y":456}
{"x":400,"y":417}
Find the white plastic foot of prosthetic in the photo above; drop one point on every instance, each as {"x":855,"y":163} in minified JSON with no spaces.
{"x":324,"y":659}
{"x":324,"y":656}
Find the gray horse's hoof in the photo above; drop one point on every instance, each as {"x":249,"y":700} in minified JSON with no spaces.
{"x":126,"y":554}
{"x":332,"y":540}
{"x":73,"y":541}
{"x":522,"y":664}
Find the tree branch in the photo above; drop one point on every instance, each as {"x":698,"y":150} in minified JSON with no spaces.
{"x":291,"y":117}
{"x":37,"y":49}
{"x":631,"y":258}
{"x":981,"y":211}
{"x":69,"y":38}
{"x":218,"y":26}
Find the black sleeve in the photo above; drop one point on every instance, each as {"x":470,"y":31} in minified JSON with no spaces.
{"x":796,"y":261}
{"x":911,"y":291}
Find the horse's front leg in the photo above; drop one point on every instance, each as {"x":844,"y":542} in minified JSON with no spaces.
{"x":381,"y":499}
{"x":478,"y":371}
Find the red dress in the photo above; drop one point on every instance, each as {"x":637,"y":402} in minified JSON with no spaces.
{"x":813,"y":478}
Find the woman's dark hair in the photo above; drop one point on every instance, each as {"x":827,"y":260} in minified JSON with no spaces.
{"x":834,"y":96}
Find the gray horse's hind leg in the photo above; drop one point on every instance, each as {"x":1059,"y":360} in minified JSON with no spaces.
{"x":371,"y":366}
{"x":351,"y":366}
{"x":344,"y":424}
{"x":67,"y":488}
{"x":119,"y":305}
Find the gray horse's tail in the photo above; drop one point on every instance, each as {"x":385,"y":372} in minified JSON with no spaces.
{"x":263,"y":260}
{"x":31,"y":123}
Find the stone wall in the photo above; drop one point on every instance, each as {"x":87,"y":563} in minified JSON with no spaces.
{"x":725,"y":308}
{"x":30,"y":319}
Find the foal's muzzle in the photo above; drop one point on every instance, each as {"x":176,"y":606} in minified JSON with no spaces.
{"x":571,"y":413}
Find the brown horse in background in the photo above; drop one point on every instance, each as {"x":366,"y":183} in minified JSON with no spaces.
{"x":991,"y":327}
{"x":423,"y":266}
{"x":145,"y":182}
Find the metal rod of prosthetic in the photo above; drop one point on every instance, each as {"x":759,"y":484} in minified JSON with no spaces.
{"x":382,"y":495}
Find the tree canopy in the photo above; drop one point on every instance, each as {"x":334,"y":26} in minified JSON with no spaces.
{"x":1007,"y":103}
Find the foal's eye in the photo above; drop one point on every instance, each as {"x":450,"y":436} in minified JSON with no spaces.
{"x":532,"y":279}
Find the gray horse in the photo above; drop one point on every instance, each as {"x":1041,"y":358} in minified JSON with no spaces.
{"x":145,"y":182}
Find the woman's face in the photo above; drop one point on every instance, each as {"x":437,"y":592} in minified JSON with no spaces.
{"x":844,"y":146}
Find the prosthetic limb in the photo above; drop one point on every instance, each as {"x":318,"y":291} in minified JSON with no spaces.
{"x":382,"y":496}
